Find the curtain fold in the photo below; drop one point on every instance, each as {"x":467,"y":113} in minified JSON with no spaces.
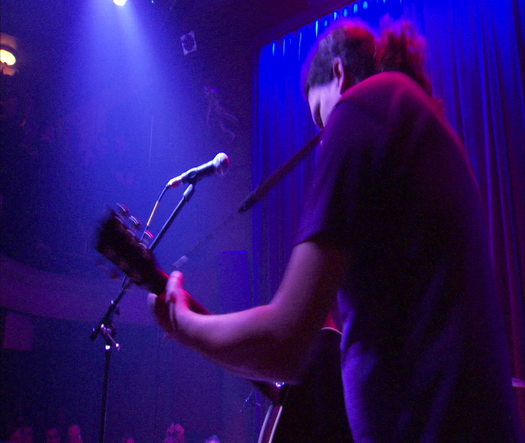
{"x":476,"y":61}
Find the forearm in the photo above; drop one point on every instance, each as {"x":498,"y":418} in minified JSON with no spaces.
{"x":270,"y":342}
{"x":256,"y":343}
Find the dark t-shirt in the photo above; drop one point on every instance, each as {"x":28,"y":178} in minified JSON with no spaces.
{"x":423,"y":351}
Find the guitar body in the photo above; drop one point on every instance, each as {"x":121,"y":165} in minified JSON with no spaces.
{"x":313,"y":411}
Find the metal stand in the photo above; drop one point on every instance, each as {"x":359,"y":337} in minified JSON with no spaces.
{"x":105,"y":325}
{"x":108,"y":332}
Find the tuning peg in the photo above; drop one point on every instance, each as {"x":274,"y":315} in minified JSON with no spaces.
{"x":124,"y":210}
{"x":146,"y":239}
{"x":135,"y":222}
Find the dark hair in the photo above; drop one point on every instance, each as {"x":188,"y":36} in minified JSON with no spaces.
{"x":352,"y":42}
{"x":399,"y":48}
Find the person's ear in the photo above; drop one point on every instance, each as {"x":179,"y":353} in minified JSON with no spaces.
{"x":343,"y":78}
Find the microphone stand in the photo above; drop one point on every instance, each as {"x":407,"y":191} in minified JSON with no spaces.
{"x":105,"y":326}
{"x":185,"y":199}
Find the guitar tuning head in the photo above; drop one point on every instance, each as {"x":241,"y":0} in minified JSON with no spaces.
{"x":123,"y":209}
{"x":134,"y":222}
{"x":118,"y":242}
{"x":146,"y":239}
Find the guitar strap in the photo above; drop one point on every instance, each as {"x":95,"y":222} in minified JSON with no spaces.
{"x":278,"y":175}
{"x":256,"y":195}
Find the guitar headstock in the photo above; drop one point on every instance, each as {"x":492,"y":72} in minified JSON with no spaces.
{"x":118,"y":241}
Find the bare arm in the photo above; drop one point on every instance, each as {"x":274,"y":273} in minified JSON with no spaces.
{"x":269,"y":342}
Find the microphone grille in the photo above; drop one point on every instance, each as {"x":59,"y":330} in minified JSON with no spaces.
{"x":221,"y":162}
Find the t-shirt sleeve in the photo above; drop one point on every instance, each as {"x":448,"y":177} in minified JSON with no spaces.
{"x":349,"y":160}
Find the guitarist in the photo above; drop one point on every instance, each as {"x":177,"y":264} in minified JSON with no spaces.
{"x":393,"y":223}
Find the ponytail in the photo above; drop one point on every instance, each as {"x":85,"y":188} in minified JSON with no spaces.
{"x":401,"y":49}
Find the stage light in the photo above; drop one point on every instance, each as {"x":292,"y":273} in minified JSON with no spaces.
{"x":8,"y":54}
{"x":120,"y":2}
{"x":7,"y":57}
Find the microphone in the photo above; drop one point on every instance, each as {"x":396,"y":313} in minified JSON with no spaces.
{"x":219,"y":165}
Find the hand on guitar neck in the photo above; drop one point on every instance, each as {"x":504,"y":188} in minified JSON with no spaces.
{"x":175,"y":299}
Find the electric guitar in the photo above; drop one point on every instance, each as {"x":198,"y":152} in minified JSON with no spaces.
{"x":311,"y":412}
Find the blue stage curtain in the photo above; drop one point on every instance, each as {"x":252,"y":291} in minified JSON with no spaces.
{"x":476,"y":61}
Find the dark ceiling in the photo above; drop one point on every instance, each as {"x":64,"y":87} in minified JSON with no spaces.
{"x":258,"y":21}
{"x":216,"y":22}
